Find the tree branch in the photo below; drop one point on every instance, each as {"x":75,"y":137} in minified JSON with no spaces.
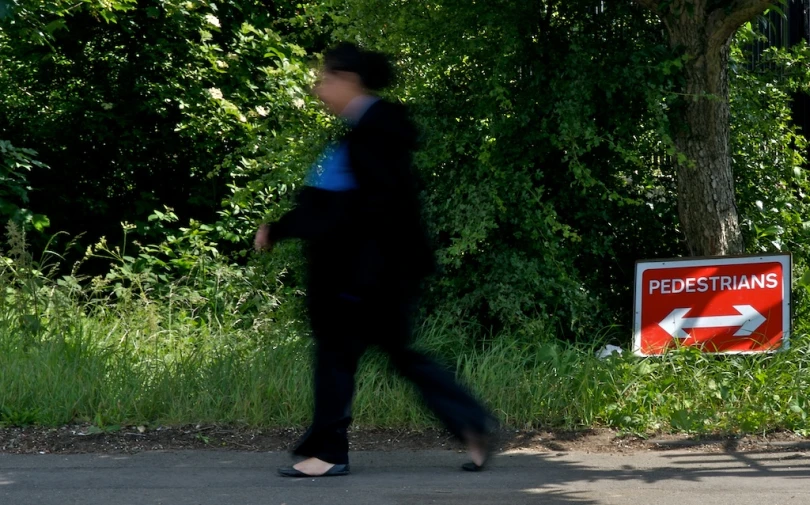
{"x":726,"y":19}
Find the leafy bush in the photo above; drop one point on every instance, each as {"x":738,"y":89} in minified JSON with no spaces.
{"x":545,"y":159}
{"x":137,"y":108}
{"x":15,"y":163}
{"x":542,"y":123}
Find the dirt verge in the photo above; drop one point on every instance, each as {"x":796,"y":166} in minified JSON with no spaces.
{"x":75,"y":439}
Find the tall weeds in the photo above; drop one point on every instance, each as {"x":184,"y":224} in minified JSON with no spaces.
{"x":132,"y":348}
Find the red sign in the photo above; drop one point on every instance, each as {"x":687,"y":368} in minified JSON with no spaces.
{"x":722,"y":305}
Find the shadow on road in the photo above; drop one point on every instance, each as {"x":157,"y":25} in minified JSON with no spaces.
{"x":554,"y":475}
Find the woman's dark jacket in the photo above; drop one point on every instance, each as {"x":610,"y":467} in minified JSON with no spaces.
{"x":369,"y":241}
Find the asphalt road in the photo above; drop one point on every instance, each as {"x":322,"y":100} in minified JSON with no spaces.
{"x":404,"y":478}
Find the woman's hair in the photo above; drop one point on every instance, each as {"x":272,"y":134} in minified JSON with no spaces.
{"x":374,"y":69}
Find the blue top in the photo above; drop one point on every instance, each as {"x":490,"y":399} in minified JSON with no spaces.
{"x":332,"y":171}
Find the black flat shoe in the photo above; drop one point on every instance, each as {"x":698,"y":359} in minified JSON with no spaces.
{"x":487,"y":442}
{"x":335,"y":471}
{"x":472,"y":467}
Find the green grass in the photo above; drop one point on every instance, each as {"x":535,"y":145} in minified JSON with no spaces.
{"x":112,"y":370}
{"x":128,"y":350}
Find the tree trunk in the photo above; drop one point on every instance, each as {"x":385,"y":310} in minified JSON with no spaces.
{"x":706,"y":198}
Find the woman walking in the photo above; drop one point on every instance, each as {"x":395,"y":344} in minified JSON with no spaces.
{"x":367,"y":254}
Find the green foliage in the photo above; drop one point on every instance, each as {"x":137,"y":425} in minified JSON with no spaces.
{"x":174,"y":128}
{"x":545,"y":158}
{"x":146,"y":108}
{"x":772,"y":172}
{"x":687,"y":391}
{"x":136,"y":349}
{"x":769,"y":154}
{"x":542,"y":123}
{"x":14,"y":188}
{"x":145,"y":360}
{"x":37,"y":21}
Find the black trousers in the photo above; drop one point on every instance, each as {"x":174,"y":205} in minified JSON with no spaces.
{"x":344,"y":328}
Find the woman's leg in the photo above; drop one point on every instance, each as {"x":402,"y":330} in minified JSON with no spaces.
{"x":337,"y":351}
{"x":454,"y":405}
{"x":335,"y":366}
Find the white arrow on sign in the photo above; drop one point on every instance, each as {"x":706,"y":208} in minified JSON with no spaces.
{"x":748,"y":320}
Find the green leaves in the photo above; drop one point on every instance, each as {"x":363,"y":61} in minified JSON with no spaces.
{"x":539,"y":141}
{"x":37,"y":22}
{"x":15,"y":163}
{"x":546,"y":154}
{"x":804,"y":280}
{"x":768,"y":149}
{"x":154,"y":109}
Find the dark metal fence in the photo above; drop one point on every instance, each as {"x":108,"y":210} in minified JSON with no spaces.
{"x":785,"y":29}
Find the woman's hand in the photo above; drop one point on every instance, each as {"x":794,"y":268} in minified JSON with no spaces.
{"x":262,"y":241}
